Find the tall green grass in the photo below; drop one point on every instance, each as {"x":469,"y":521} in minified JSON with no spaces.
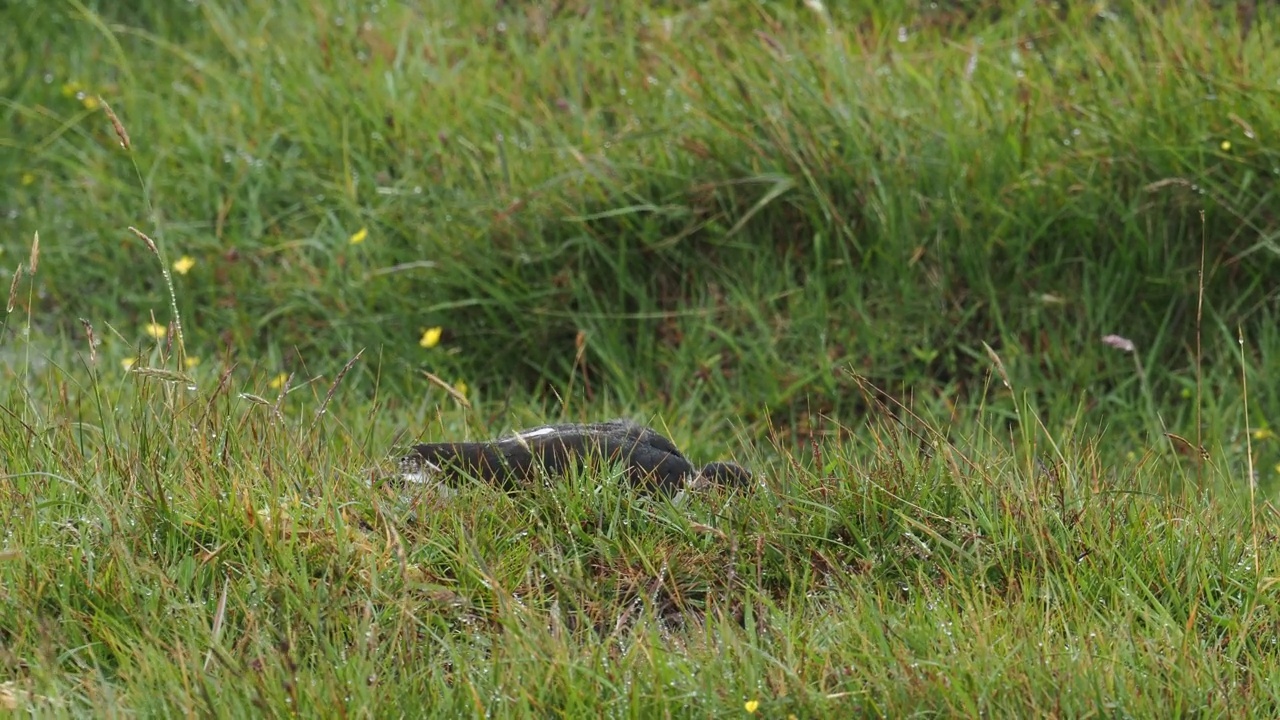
{"x":872,"y":254}
{"x":727,"y":198}
{"x":169,"y":550}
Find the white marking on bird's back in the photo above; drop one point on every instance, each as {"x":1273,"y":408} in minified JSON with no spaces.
{"x":536,"y":432}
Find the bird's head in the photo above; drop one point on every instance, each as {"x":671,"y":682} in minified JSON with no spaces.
{"x":725,"y":473}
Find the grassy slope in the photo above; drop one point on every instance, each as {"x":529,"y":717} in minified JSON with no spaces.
{"x":599,"y":198}
{"x":760,"y":210}
{"x":191,"y":552}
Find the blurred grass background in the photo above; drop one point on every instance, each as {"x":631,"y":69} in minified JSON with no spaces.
{"x":736,"y":203}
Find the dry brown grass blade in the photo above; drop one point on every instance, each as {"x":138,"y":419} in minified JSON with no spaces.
{"x":13,"y":289}
{"x":93,"y":341}
{"x":453,"y":392}
{"x":333,"y":387}
{"x":218,"y":617}
{"x":995,"y":359}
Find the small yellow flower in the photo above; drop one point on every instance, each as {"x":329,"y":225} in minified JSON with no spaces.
{"x":190,"y":361}
{"x":156,"y":330}
{"x":1226,"y":146}
{"x":90,"y":102}
{"x":126,"y":363}
{"x":70,"y":88}
{"x":359,"y":236}
{"x":1263,"y":434}
{"x":278,"y":381}
{"x":461,"y":387}
{"x":431,"y":337}
{"x":28,"y":178}
{"x":751,"y":706}
{"x":183,"y":265}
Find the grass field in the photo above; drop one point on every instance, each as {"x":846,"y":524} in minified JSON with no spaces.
{"x":870,"y":250}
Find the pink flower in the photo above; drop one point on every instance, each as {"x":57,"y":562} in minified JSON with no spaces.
{"x":1119,"y":343}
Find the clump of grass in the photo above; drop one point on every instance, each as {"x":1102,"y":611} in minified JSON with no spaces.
{"x":175,"y":549}
{"x":596,"y":195}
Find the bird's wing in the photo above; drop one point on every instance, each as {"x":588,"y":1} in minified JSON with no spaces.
{"x":657,"y":441}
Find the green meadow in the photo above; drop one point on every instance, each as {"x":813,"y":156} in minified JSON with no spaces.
{"x":985,"y":294}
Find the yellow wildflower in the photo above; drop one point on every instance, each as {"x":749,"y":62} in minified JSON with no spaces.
{"x":751,"y":706}
{"x":461,"y":387}
{"x":190,"y":361}
{"x":1226,"y":146}
{"x":184,"y":264}
{"x":126,"y":363}
{"x":278,"y":381}
{"x":1263,"y":434}
{"x":359,"y":236}
{"x":70,"y":88}
{"x":156,"y":330}
{"x":431,"y":337}
{"x":28,"y":178}
{"x":90,"y":102}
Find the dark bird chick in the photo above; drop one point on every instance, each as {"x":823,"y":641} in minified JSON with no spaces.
{"x":652,"y":461}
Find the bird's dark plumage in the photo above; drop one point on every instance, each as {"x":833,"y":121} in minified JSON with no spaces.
{"x":651,"y":460}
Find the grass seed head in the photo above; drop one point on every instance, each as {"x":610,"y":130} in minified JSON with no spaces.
{"x":150,"y":243}
{"x":93,"y":341}
{"x":116,"y":125}
{"x":13,"y":289}
{"x":35,"y":254}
